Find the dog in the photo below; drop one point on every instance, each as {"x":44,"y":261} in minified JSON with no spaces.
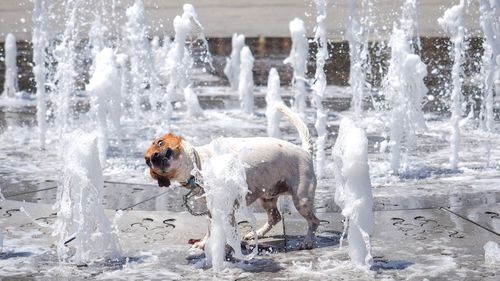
{"x":274,"y":167}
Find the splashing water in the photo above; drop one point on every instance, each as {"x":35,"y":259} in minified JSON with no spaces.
{"x":190,"y":11}
{"x":409,"y":24}
{"x":405,"y":92}
{"x":105,"y":97}
{"x":193,"y":105}
{"x":245,"y":86}
{"x":491,"y":253}
{"x":10,"y":87}
{"x":180,"y":61}
{"x":232,"y":68}
{"x":138,"y":54}
{"x":39,"y":70}
{"x":272,"y":97}
{"x":66,"y":72}
{"x":298,"y":60}
{"x":80,"y":214}
{"x":226,"y":189}
{"x":357,"y":36}
{"x":353,"y":194}
{"x":453,"y":23}
{"x":319,"y":86}
{"x":490,"y":13}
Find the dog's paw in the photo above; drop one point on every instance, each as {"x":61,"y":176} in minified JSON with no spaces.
{"x":251,"y":236}
{"x":307,"y":244}
{"x":199,"y":245}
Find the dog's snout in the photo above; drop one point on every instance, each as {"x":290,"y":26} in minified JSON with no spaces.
{"x":156,"y":158}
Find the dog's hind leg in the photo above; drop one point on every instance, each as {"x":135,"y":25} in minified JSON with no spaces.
{"x":273,"y":217}
{"x":303,"y":199}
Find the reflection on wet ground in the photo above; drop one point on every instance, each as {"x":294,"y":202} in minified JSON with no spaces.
{"x":406,"y":244}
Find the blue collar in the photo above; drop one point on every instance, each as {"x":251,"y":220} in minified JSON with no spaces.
{"x":191,"y":182}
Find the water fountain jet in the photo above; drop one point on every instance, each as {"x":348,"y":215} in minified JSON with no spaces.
{"x":84,"y":232}
{"x":39,"y":71}
{"x":272,"y":97}
{"x":226,"y":189}
{"x":490,"y":13}
{"x":105,"y":97}
{"x":139,"y":55}
{"x":319,"y":86}
{"x":453,"y":23}
{"x":245,"y":86}
{"x":404,"y":90}
{"x":232,"y":68}
{"x":357,"y":36}
{"x":10,"y":87}
{"x":298,"y":60}
{"x":353,"y":194}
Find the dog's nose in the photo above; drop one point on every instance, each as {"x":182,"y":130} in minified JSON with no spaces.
{"x":155,"y":158}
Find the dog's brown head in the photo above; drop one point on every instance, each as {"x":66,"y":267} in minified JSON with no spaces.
{"x":162,"y":157}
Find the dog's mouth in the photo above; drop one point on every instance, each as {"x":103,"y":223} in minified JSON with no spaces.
{"x":160,"y":167}
{"x":164,"y":165}
{"x":160,"y":160}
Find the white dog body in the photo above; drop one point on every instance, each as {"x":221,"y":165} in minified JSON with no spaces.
{"x":273,"y":167}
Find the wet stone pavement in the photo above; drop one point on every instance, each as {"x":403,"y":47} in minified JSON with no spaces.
{"x":430,"y":224}
{"x":434,"y":244}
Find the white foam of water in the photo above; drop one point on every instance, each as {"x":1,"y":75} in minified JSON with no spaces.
{"x":179,"y":61}
{"x":273,"y":96}
{"x":358,"y":51}
{"x":39,"y":70}
{"x":409,"y":23}
{"x":10,"y":87}
{"x":245,"y":86}
{"x":319,"y":86}
{"x":193,"y":106}
{"x":405,"y":92}
{"x":434,"y":268}
{"x":178,"y":58}
{"x":491,"y":253}
{"x":232,"y":68}
{"x":97,"y":37}
{"x":453,"y":23}
{"x":490,"y":12}
{"x":138,"y":50}
{"x":63,"y":80}
{"x":226,"y":189}
{"x":298,"y":60}
{"x":105,"y":97}
{"x":80,"y":214}
{"x":160,"y":58}
{"x":189,"y":10}
{"x":160,"y":52}
{"x":353,"y":194}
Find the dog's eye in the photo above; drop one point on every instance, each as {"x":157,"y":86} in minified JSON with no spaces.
{"x":169,"y":153}
{"x":160,"y":143}
{"x":148,"y":162}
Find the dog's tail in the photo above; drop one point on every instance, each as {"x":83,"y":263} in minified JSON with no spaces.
{"x":298,"y":123}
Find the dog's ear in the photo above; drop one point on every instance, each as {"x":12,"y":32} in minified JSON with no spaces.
{"x":162,"y":181}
